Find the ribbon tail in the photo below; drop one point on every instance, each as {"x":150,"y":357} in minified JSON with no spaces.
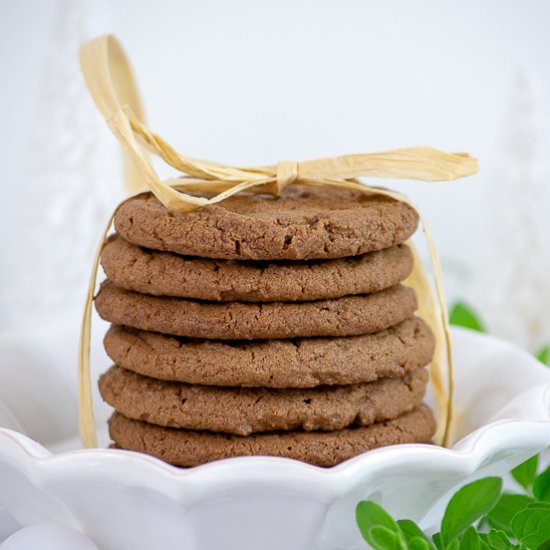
{"x":441,"y":366}
{"x":87,"y":428}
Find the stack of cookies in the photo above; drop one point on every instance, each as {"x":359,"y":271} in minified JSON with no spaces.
{"x":264,"y":326}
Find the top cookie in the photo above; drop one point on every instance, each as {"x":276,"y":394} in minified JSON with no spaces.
{"x":304,"y":222}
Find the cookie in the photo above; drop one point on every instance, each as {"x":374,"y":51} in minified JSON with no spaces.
{"x":243,"y":411}
{"x":167,"y":274}
{"x":366,"y":313}
{"x":191,"y":448}
{"x":297,"y":363}
{"x":304,"y":222}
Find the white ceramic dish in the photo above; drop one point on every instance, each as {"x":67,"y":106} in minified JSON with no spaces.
{"x":128,"y":501}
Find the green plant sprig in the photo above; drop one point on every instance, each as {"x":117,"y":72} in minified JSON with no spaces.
{"x":478,"y":517}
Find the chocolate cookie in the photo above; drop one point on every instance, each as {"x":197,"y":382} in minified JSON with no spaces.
{"x":167,"y":274}
{"x":243,"y":411}
{"x":297,"y":363}
{"x":191,"y":448}
{"x":345,"y":316}
{"x":304,"y":222}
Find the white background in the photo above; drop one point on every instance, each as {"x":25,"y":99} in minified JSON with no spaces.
{"x":250,"y":83}
{"x":253,"y":82}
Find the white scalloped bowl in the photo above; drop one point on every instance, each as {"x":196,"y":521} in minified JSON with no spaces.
{"x":128,"y":501}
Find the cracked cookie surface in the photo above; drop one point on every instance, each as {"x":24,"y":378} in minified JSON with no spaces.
{"x":347,"y":316}
{"x":304,"y":222}
{"x":297,"y":363}
{"x":243,"y":411}
{"x":191,"y":448}
{"x":168,"y":274}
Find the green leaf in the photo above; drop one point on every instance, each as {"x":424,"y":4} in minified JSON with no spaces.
{"x":484,"y":545}
{"x":411,"y":532}
{"x":539,"y":505}
{"x":469,"y":504}
{"x":543,"y":355}
{"x":438,"y":542}
{"x":506,"y":508}
{"x":526,"y":472}
{"x":416,"y":543}
{"x":470,"y":540}
{"x":463,"y":316}
{"x":541,"y":486}
{"x":532,"y":525}
{"x":382,"y":538}
{"x":440,"y":546}
{"x":498,"y":540}
{"x":370,"y":518}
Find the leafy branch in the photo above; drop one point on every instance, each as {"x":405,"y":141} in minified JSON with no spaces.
{"x":478,"y":517}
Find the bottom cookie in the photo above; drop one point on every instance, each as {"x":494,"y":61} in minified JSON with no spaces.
{"x":191,"y":448}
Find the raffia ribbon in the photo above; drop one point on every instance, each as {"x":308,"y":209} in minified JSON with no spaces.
{"x":114,"y":90}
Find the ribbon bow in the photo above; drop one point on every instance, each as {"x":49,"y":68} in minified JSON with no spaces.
{"x":114,"y":90}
